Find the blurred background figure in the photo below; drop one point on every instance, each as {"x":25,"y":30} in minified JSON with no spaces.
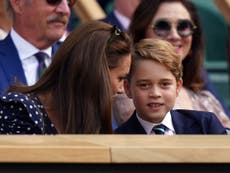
{"x":122,"y":13}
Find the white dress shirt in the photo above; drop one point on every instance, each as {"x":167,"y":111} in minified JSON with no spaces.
{"x":167,"y":121}
{"x":26,"y":53}
{"x":3,"y":34}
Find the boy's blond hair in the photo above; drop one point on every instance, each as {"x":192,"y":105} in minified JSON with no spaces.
{"x":159,"y":51}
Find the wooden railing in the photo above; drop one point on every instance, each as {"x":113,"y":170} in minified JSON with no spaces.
{"x":106,"y":153}
{"x":115,"y":149}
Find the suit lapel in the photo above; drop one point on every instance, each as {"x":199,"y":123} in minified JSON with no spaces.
{"x":182,"y":122}
{"x":135,"y":125}
{"x":55,"y":47}
{"x":10,"y":61}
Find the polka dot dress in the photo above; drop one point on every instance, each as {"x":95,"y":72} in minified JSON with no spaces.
{"x":23,"y":114}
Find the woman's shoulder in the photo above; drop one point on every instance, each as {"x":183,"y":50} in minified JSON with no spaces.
{"x":13,"y":96}
{"x":18,"y":109}
{"x":27,"y":101}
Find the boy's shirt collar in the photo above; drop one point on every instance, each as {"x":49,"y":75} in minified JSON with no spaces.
{"x":148,"y":126}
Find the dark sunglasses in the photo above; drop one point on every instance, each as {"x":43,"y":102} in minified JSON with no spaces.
{"x":57,"y":2}
{"x":163,"y":27}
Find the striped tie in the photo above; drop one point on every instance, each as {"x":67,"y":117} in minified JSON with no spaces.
{"x":41,"y":56}
{"x":159,"y":129}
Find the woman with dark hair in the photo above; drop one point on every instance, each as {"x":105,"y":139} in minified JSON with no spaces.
{"x":177,"y":22}
{"x":74,"y":95}
{"x":149,"y":16}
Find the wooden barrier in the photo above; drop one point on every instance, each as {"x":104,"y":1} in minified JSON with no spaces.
{"x":115,"y":149}
{"x":51,"y":149}
{"x":109,"y":152}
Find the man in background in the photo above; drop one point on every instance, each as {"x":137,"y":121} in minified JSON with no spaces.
{"x":37,"y":26}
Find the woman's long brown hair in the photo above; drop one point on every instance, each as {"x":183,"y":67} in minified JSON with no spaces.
{"x":78,"y":79}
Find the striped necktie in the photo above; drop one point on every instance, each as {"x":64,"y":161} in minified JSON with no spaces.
{"x":159,"y":129}
{"x":41,"y":56}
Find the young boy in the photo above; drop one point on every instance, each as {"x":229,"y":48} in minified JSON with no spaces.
{"x":153,"y":83}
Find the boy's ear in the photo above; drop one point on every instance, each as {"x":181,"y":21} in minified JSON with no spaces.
{"x":127,"y":88}
{"x":179,"y":86}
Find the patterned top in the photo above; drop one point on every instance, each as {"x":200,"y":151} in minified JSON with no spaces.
{"x":205,"y":101}
{"x":23,"y":114}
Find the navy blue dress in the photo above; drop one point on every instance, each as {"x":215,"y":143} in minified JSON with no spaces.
{"x":23,"y":114}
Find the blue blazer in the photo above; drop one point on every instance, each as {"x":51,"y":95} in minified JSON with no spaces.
{"x":10,"y":64}
{"x":112,"y":19}
{"x":184,"y":122}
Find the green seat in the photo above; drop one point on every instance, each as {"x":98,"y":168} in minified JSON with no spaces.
{"x":216,"y":36}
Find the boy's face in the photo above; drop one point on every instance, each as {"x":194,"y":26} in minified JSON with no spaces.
{"x":153,"y":89}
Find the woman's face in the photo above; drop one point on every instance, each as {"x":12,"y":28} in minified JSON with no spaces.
{"x":118,"y":74}
{"x":173,"y":13}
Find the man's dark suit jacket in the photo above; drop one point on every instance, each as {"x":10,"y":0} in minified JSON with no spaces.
{"x":184,"y":122}
{"x":10,"y":64}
